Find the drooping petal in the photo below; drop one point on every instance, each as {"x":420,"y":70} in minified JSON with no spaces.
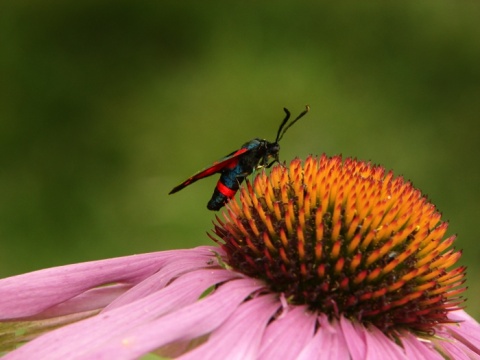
{"x":354,"y":337}
{"x":189,"y":322}
{"x":466,"y":331}
{"x":93,"y":299}
{"x":286,"y":336}
{"x":29,"y":294}
{"x":457,"y":351}
{"x":88,"y":335}
{"x":380,"y":347}
{"x":327,"y":344}
{"x":416,"y":349}
{"x":198,"y":258}
{"x":241,"y":334}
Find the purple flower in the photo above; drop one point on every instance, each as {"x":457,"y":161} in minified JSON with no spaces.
{"x":330,"y":259}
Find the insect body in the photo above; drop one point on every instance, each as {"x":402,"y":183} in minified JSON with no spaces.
{"x":235,"y":167}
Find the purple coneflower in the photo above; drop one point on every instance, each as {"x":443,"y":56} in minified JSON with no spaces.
{"x":326,"y":259}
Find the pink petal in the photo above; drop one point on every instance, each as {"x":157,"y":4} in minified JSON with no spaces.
{"x":416,"y":349}
{"x":93,"y":299}
{"x":241,"y":334}
{"x":288,"y":335}
{"x":84,"y":336}
{"x":380,"y":347}
{"x":467,"y":331}
{"x":328,"y":343}
{"x":186,"y":262}
{"x":355,"y":338}
{"x":29,"y":294}
{"x":187,"y":323}
{"x":457,"y":351}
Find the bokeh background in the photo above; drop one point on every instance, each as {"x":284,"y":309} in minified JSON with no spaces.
{"x":106,"y":105}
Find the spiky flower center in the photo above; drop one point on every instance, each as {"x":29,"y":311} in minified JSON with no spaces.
{"x":345,"y":238}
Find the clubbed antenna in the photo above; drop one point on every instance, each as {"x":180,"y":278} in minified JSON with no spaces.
{"x":280,"y":133}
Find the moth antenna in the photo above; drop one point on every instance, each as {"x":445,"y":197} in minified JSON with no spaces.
{"x":280,"y":135}
{"x":287,"y":116}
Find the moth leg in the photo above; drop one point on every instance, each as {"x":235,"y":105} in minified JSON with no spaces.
{"x":270,"y":165}
{"x":275,"y":159}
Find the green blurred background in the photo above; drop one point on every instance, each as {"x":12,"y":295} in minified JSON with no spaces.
{"x":106,"y":105}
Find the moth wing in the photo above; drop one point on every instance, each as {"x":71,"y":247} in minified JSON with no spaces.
{"x":229,"y":161}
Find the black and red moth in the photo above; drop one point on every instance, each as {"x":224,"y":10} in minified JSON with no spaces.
{"x":235,"y":167}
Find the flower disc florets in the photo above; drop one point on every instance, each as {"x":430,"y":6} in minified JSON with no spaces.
{"x":346,"y":238}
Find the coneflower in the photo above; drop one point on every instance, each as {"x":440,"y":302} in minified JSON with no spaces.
{"x":323,"y":259}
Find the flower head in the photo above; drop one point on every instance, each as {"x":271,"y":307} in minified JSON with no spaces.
{"x":346,"y":238}
{"x":329,"y":258}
